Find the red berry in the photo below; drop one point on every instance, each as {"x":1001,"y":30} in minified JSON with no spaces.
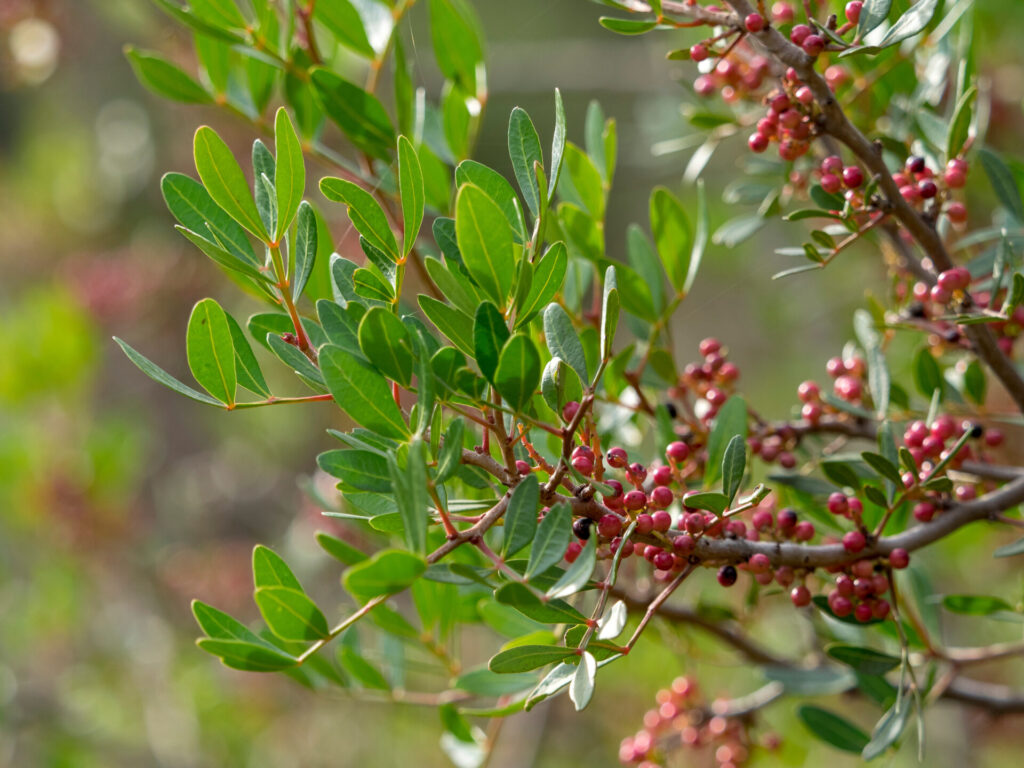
{"x":758,"y":142}
{"x":522,"y":467}
{"x":832,"y":164}
{"x":709,"y":346}
{"x":684,"y":544}
{"x":853,"y":10}
{"x":786,"y":519}
{"x":694,"y":523}
{"x":727,"y":575}
{"x":636,"y":473}
{"x":664,"y":560}
{"x":854,"y":541}
{"x":899,"y":559}
{"x":617,"y":458}
{"x":762,"y":520}
{"x":573,"y":551}
{"x":834,"y":367}
{"x":993,"y":438}
{"x":848,"y":388}
{"x":831,"y":183}
{"x":616,"y":488}
{"x":957,"y":212}
{"x":880,"y":609}
{"x":635,"y":500}
{"x":862,"y":612}
{"x":782,"y":12}
{"x":804,"y":95}
{"x":812,"y":412}
{"x":784,"y":575}
{"x":801,"y":596}
{"x":609,"y":526}
{"x":954,"y":179}
{"x":844,"y":585}
{"x":754,"y":22}
{"x":698,"y":52}
{"x":853,"y":177}
{"x":662,"y":497}
{"x":841,"y":606}
{"x":584,"y":465}
{"x":704,"y":86}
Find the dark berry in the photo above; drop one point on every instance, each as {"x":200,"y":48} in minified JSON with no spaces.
{"x":915,"y":164}
{"x":727,"y":575}
{"x":581,"y":527}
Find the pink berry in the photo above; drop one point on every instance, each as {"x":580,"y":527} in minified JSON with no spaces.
{"x":698,"y":52}
{"x":704,"y":86}
{"x":664,"y":560}
{"x":853,"y":177}
{"x":800,"y":33}
{"x":831,"y":183}
{"x":662,"y":497}
{"x":584,"y":465}
{"x":522,"y":467}
{"x":803,"y":531}
{"x":677,"y":451}
{"x":694,"y":523}
{"x":609,"y":526}
{"x":782,"y":12}
{"x":954,"y":179}
{"x":853,"y":10}
{"x":635,"y":500}
{"x":993,"y":438}
{"x":957,"y":212}
{"x":569,"y":411}
{"x":684,"y":544}
{"x":838,"y":504}
{"x":801,"y":596}
{"x":759,"y":563}
{"x":762,"y":520}
{"x":754,"y":22}
{"x":813,"y":45}
{"x":854,"y":541}
{"x":573,"y":551}
{"x":617,"y":458}
{"x":758,"y":142}
{"x":832,"y":164}
{"x":709,"y":346}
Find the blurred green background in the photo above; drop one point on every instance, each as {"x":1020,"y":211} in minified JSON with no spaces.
{"x":120,"y":501}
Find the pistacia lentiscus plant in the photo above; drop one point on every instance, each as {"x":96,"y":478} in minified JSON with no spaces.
{"x":524,"y":462}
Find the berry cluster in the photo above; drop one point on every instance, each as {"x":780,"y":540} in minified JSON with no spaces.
{"x":684,"y":718}
{"x":860,"y":588}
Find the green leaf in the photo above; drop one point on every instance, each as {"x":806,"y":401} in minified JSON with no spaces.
{"x":841,"y":473}
{"x":551,"y":611}
{"x":158,"y":374}
{"x":910,"y":23}
{"x":521,"y":516}
{"x":343,"y":21}
{"x":627,"y":26}
{"x":734,"y":464}
{"x":220,"y":626}
{"x":818,"y":681}
{"x":247,"y":368}
{"x":453,"y":323}
{"x":410,"y":185}
{"x":878,"y":372}
{"x":484,"y":682}
{"x":365,"y":213}
{"x":712,"y":501}
{"x":410,"y":487}
{"x":497,"y":188}
{"x":975,"y":383}
{"x":368,"y":284}
{"x":211,"y":351}
{"x":888,"y":729}
{"x":290,"y":614}
{"x":518,"y":373}
{"x":883,"y":466}
{"x":547,"y":280}
{"x":164,"y":78}
{"x":1010,"y":550}
{"x":975,"y":605}
{"x":672,"y":236}
{"x":364,"y":470}
{"x":485,"y":241}
{"x":525,"y":151}
{"x":578,"y":574}
{"x":361,"y":392}
{"x":248,"y":657}
{"x":359,"y":115}
{"x":863,"y":660}
{"x":927,"y":374}
{"x":524,"y":658}
{"x":305,"y":247}
{"x":221,"y":12}
{"x":581,"y":689}
{"x":295,"y":359}
{"x":456,"y":43}
{"x":872,"y":15}
{"x":384,"y":340}
{"x":557,"y":144}
{"x":562,"y":340}
{"x":559,"y":384}
{"x":225,"y":182}
{"x":290,"y":179}
{"x":586,"y":181}
{"x":489,"y":336}
{"x":609,"y":313}
{"x":833,"y":729}
{"x":270,"y":570}
{"x":1002,"y":181}
{"x":730,"y":421}
{"x":386,"y":573}
{"x":340,"y":550}
{"x":551,"y":540}
{"x":362,"y":670}
{"x":960,"y":125}
{"x":190,"y":203}
{"x":700,"y":238}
